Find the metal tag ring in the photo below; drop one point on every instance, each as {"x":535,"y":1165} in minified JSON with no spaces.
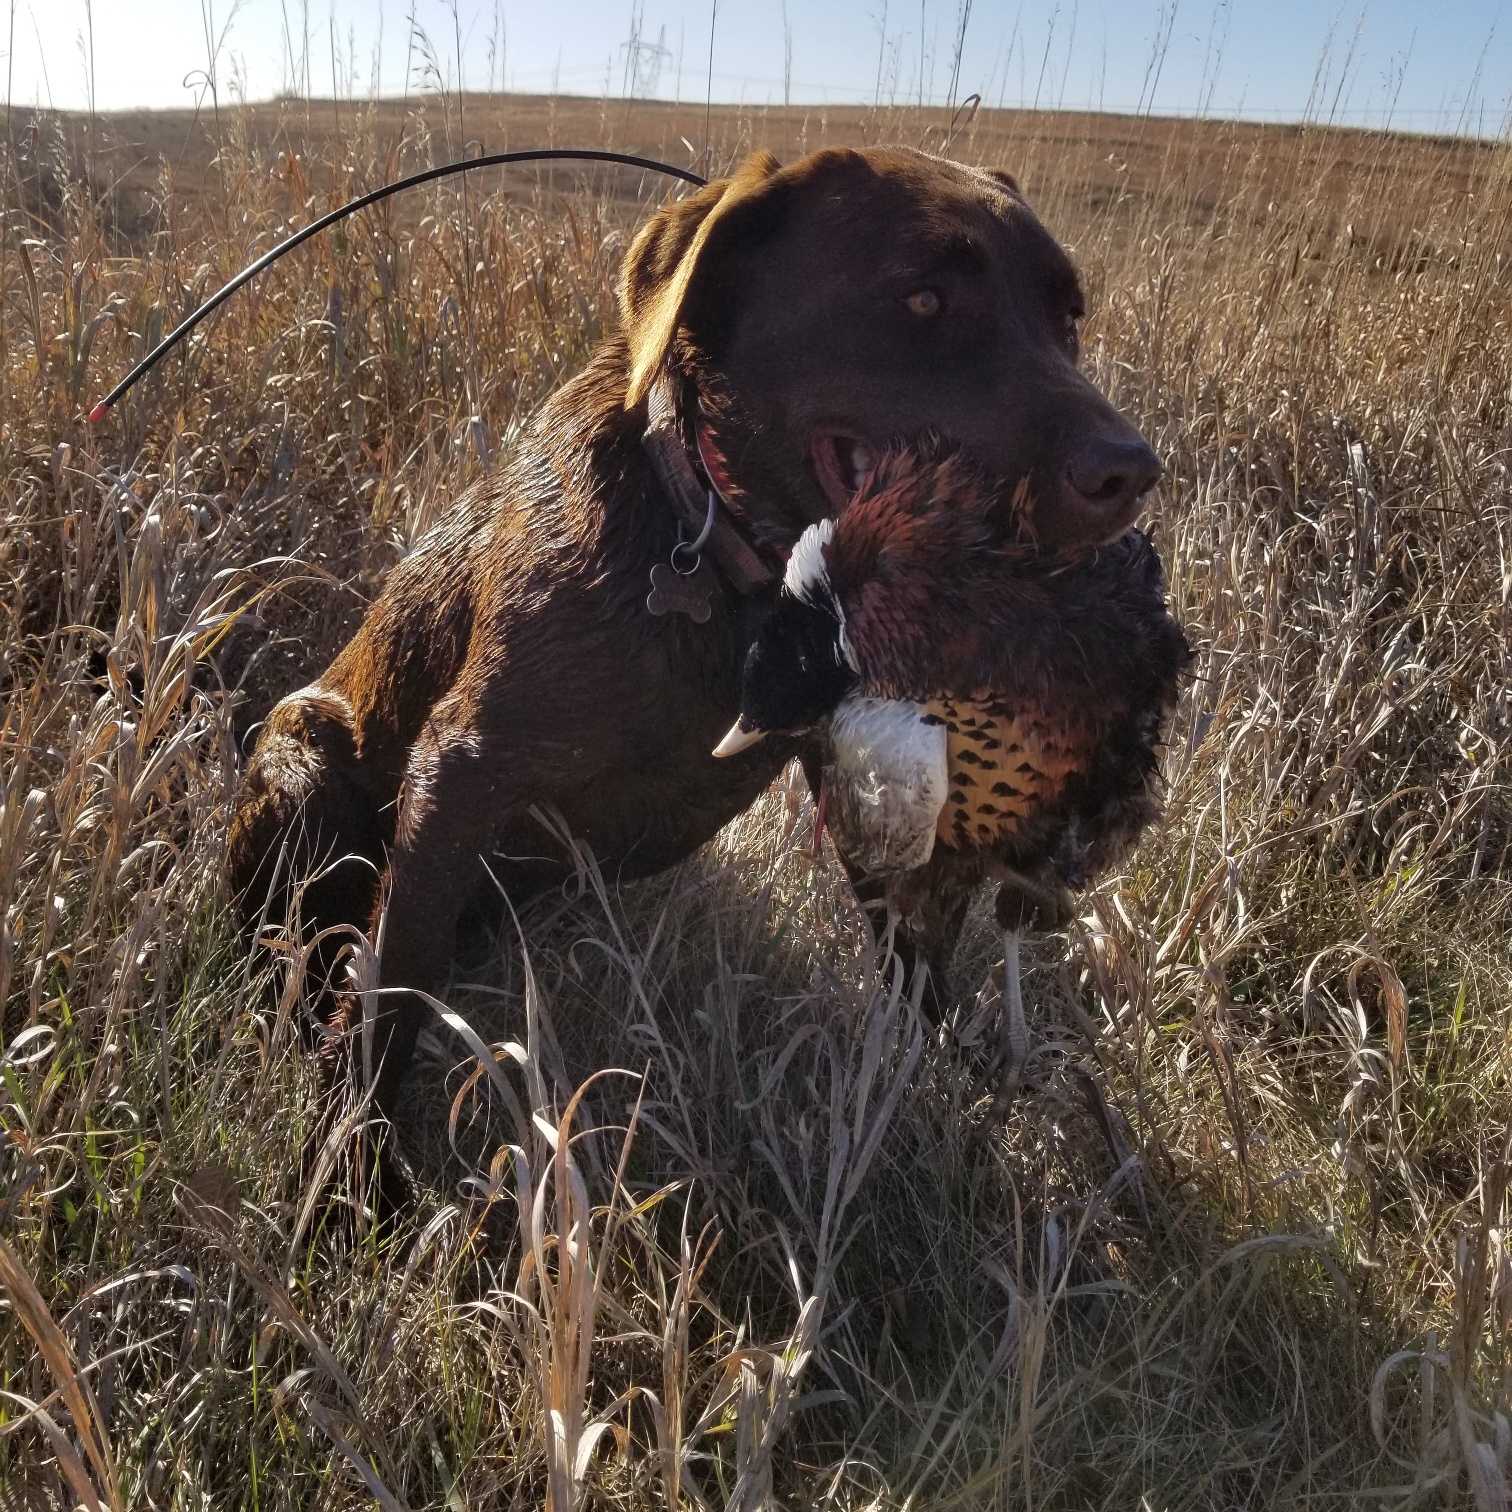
{"x":695,"y":546}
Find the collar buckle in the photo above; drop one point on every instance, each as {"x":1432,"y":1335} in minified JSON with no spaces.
{"x":698,"y":506}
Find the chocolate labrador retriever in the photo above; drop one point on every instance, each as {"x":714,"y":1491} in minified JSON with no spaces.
{"x":570,"y":636}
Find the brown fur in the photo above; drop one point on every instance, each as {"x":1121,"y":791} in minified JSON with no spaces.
{"x":510,"y":662}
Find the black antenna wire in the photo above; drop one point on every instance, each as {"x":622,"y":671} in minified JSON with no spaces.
{"x":247,"y":274}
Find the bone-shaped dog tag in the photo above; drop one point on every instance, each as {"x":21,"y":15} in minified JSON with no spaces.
{"x":673,"y":593}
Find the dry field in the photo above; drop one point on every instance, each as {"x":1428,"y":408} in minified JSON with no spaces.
{"x":719,"y":1220}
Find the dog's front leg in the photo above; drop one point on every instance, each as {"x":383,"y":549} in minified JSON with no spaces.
{"x":450,"y":810}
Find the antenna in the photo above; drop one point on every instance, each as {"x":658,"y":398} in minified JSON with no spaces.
{"x":247,"y":274}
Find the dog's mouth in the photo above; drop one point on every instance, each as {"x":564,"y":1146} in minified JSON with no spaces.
{"x":841,"y":465}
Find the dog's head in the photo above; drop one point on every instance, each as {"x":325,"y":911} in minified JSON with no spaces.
{"x":857,"y":299}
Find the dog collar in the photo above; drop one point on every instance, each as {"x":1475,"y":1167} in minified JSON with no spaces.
{"x":700,"y":506}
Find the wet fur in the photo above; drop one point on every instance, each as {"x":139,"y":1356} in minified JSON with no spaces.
{"x":509,"y":669}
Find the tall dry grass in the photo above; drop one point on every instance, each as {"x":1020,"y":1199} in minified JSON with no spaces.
{"x":709,"y":1215}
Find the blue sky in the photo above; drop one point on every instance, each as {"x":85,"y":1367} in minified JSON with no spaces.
{"x":1424,"y":66}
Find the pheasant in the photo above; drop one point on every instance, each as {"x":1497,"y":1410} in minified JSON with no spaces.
{"x":973,"y":692}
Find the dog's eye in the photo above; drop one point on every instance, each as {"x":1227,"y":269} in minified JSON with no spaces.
{"x":924,"y":303}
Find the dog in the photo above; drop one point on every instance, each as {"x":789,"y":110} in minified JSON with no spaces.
{"x":570,"y":635}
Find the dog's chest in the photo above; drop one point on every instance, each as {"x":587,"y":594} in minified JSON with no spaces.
{"x":626,"y":723}
{"x":642,"y":816}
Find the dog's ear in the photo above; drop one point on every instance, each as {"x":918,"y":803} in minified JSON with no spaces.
{"x":664,"y":258}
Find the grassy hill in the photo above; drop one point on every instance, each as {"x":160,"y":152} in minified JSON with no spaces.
{"x":1239,"y":1240}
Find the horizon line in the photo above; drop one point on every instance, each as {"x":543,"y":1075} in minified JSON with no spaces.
{"x":1338,"y":120}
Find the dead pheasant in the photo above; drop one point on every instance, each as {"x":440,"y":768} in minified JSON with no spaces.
{"x":972,"y":693}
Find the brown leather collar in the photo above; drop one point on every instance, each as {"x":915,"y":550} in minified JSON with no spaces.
{"x":735,"y":554}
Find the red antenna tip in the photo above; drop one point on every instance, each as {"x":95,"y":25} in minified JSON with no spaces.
{"x":99,"y":412}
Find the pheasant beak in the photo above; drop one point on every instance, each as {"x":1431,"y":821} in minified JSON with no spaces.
{"x":740,"y":737}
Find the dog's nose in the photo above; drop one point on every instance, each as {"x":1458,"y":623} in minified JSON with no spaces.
{"x":1103,"y":483}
